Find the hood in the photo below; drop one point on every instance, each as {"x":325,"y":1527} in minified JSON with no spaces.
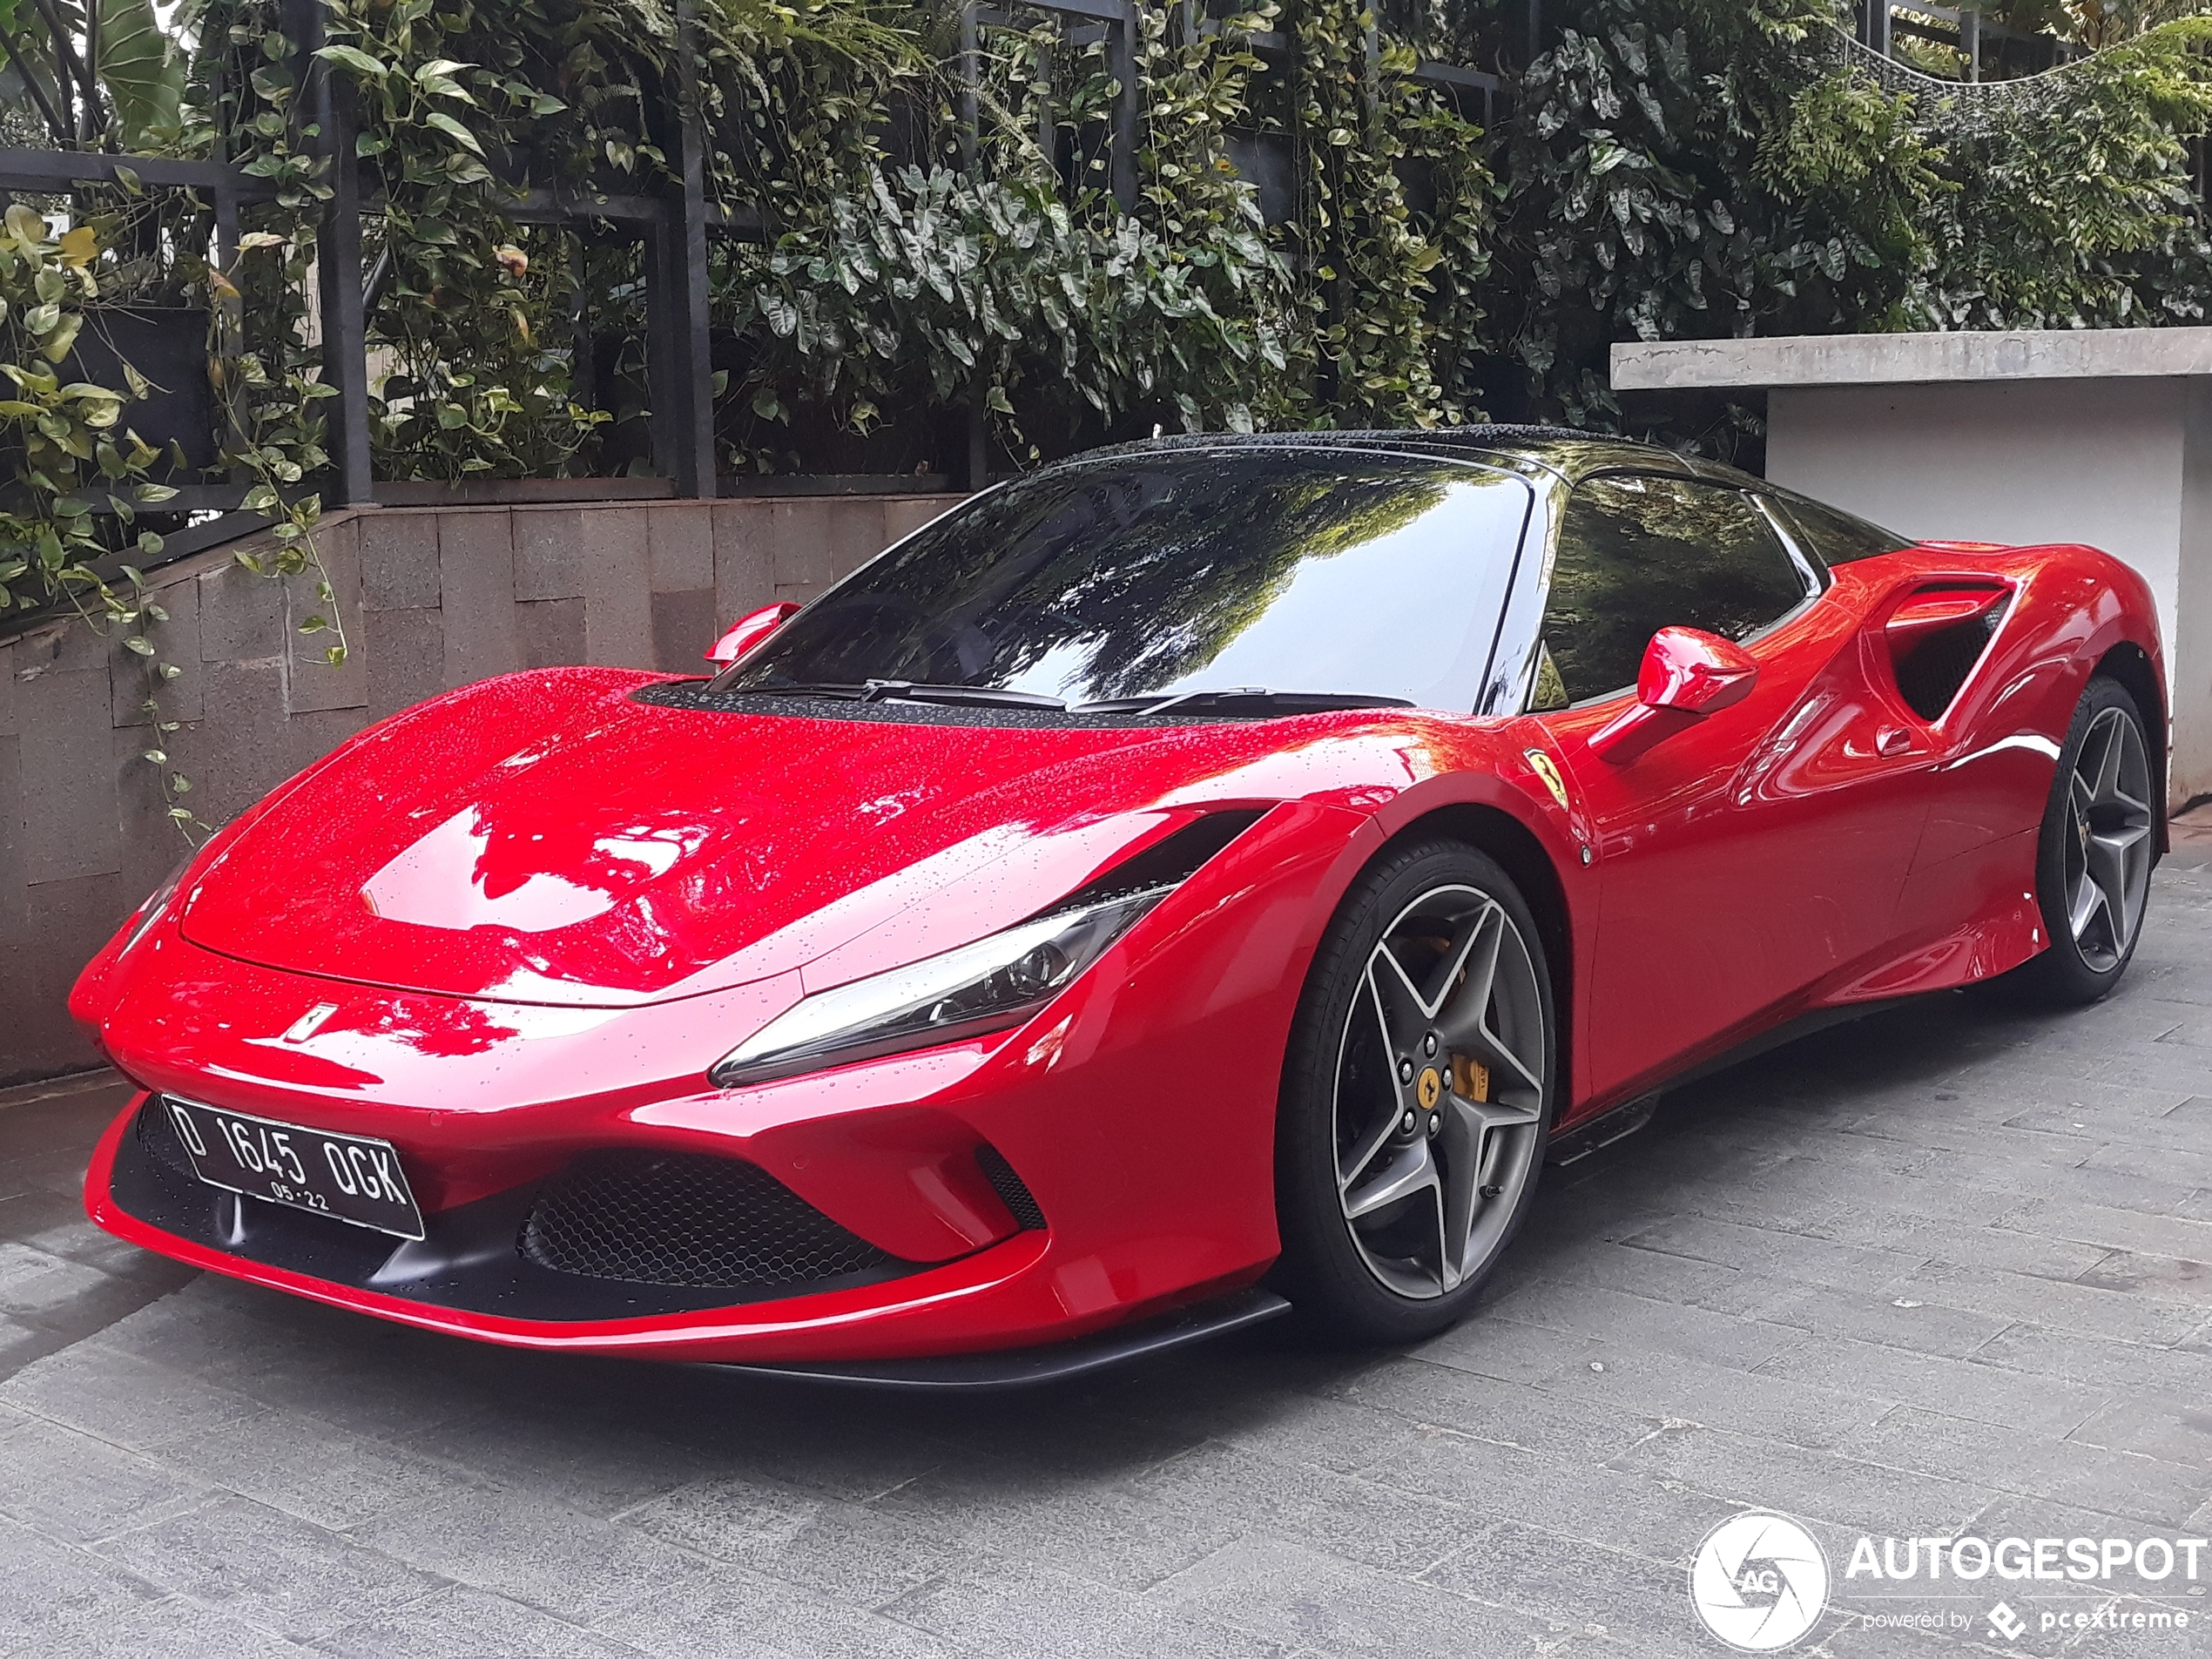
{"x":547,"y":839}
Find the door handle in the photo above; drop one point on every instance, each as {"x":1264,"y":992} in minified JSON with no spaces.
{"x":1891,"y":740}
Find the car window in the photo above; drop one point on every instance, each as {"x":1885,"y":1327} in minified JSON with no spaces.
{"x":1638,"y":554}
{"x":1177,"y":573}
{"x":1837,"y":538}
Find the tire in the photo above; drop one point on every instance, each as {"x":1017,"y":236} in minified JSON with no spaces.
{"x":1442,"y":913}
{"x":2095,"y":854}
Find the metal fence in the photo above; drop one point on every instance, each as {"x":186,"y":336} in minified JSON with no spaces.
{"x":1981,"y":45}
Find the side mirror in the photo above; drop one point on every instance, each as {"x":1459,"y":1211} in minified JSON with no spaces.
{"x":1687,"y":674}
{"x":749,"y":631}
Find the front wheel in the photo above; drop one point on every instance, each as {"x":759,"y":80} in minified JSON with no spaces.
{"x":2094,"y":856}
{"x":1417,"y":1094}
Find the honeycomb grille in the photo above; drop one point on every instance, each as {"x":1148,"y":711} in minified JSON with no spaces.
{"x":686,"y":1218}
{"x":1014,"y":1192}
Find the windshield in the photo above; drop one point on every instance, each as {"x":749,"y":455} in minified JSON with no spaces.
{"x":1177,"y":575}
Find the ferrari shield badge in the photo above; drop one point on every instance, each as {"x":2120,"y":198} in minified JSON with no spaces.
{"x":1540,"y":764}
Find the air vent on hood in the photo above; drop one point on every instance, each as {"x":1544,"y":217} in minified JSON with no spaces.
{"x":1937,"y":636}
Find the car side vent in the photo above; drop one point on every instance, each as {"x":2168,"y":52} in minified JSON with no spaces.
{"x":1173,"y":858}
{"x":1014,"y":1192}
{"x":1936,"y":636}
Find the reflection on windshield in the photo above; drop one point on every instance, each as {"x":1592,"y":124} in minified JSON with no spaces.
{"x":1161,"y":574}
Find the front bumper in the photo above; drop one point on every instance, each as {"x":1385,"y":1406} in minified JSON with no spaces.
{"x":467,"y":1277}
{"x":1148,"y":1205}
{"x":1138,"y":1110}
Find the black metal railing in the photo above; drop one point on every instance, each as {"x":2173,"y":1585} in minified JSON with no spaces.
{"x":1981,"y":45}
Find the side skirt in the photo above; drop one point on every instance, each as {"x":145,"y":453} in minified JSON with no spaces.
{"x":1578,"y":1141}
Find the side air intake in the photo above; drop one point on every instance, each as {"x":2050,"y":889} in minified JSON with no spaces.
{"x":1935,"y":638}
{"x":1014,"y":1192}
{"x":687,"y":1218}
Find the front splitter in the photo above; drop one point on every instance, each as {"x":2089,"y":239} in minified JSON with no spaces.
{"x":1051,"y":1363}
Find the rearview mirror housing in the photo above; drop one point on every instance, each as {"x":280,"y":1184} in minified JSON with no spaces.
{"x":1687,"y":674}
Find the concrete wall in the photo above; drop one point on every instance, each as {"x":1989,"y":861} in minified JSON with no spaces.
{"x":2125,"y":465}
{"x":432,"y":597}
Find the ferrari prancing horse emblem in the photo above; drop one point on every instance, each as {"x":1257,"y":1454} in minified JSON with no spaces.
{"x":1540,"y":764}
{"x":1430,"y":1088}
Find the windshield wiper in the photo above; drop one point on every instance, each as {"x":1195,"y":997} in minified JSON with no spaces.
{"x":909,"y":692}
{"x":1249,"y":700}
{"x":1253,"y":699}
{"x":983,"y":696}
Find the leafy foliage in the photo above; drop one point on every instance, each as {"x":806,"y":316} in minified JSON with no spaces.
{"x":70,"y":453}
{"x":2075,"y":209}
{"x":1003,"y":286}
{"x":65,"y":437}
{"x":944,"y":244}
{"x":1687,"y":169}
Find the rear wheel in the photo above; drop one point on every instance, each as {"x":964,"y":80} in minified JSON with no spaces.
{"x":2094,"y":859}
{"x":1417,"y":1094}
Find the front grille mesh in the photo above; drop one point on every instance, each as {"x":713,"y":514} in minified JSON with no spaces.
{"x":1014,"y":1192}
{"x":686,"y":1218}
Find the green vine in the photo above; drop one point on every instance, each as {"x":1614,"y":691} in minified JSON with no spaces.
{"x":73,"y":456}
{"x":1680,"y":169}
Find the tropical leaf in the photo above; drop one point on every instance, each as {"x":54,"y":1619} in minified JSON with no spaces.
{"x":142,"y":71}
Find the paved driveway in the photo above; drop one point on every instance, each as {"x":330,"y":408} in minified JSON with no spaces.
{"x":1941,"y":1272}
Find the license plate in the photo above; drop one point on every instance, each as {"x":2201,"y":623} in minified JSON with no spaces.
{"x":347,"y":1177}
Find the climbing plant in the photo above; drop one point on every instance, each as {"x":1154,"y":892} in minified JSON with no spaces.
{"x":69,"y":454}
{"x":944,"y":243}
{"x":1684,"y":168}
{"x":2073,"y":206}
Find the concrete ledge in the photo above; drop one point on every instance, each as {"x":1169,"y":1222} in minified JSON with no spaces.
{"x":1870,"y":360}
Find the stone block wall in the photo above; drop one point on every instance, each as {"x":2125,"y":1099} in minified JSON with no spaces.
{"x":432,"y":597}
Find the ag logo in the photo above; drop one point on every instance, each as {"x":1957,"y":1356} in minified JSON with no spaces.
{"x":1759,"y":1581}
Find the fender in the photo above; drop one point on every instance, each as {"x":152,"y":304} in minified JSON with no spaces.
{"x":1490,"y":771}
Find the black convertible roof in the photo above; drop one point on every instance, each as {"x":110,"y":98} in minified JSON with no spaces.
{"x":1569,"y":454}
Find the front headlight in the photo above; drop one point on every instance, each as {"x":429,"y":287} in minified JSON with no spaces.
{"x":988,"y":986}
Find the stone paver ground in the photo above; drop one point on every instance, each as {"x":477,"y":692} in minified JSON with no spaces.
{"x":1947,"y":1270}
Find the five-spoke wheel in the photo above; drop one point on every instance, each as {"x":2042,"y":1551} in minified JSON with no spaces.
{"x":2107,"y":845}
{"x":2099,"y":839}
{"x":1417,"y":1095}
{"x":1437,"y":1113}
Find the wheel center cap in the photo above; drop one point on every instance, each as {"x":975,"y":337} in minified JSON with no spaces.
{"x":1430,"y":1090}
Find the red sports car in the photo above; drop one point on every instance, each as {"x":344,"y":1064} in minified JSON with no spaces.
{"x":1192,"y":879}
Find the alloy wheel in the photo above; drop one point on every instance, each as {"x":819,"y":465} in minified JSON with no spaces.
{"x":2106,"y":849}
{"x":1439,"y":1107}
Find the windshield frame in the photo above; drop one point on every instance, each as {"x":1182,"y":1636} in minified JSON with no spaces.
{"x":1489,"y":467}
